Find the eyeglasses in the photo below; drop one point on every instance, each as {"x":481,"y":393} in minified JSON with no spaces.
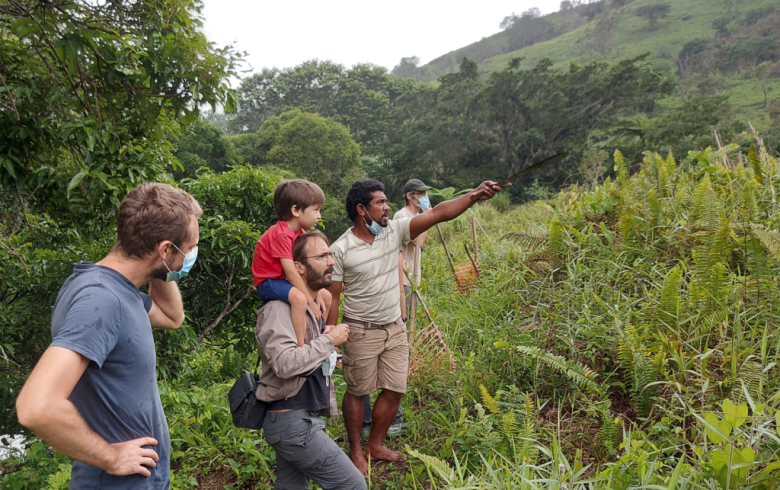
{"x":323,"y":258}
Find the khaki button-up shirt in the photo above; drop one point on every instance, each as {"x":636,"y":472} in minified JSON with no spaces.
{"x":283,"y":361}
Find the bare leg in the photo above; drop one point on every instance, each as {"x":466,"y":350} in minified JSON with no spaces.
{"x":352,"y":406}
{"x":298,"y":303}
{"x":383,"y":414}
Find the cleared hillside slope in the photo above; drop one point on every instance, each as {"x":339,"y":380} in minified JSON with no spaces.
{"x":687,"y":21}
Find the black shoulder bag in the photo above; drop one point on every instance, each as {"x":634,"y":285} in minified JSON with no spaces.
{"x":248,"y":412}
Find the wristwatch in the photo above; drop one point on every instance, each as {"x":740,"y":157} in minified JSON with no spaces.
{"x":404,"y":319}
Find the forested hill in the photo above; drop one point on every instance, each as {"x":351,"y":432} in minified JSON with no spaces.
{"x":716,"y":46}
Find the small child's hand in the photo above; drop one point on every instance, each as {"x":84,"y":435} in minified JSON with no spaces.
{"x":320,"y":303}
{"x":315,"y":308}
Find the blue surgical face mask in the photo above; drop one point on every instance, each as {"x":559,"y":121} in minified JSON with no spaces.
{"x":424,"y":203}
{"x":189,"y":261}
{"x":374,"y":227}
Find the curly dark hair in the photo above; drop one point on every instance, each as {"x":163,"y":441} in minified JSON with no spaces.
{"x":360,"y":193}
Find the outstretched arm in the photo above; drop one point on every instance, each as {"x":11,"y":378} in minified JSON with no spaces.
{"x":452,"y":209}
{"x":43,"y":406}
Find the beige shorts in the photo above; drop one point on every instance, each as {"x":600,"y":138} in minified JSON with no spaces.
{"x":376,"y":359}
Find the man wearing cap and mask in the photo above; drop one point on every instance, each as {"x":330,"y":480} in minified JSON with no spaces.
{"x":416,"y":199}
{"x":93,"y":394}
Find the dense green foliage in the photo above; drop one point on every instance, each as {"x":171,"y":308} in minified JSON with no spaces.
{"x":204,"y":145}
{"x":622,"y":332}
{"x":91,"y":96}
{"x":458,"y":133}
{"x":311,"y":147}
{"x":622,"y":335}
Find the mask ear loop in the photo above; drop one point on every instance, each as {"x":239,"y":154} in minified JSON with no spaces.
{"x":364,"y":218}
{"x":166,"y":265}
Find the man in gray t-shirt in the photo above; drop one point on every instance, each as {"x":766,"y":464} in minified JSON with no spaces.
{"x":93,"y":394}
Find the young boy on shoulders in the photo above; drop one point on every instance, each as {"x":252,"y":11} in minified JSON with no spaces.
{"x":297,"y":204}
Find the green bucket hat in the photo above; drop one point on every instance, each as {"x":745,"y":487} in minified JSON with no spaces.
{"x":415,"y":185}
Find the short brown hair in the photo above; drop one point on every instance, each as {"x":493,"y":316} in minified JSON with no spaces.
{"x":299,"y":246}
{"x":151,"y":213}
{"x":298,"y":192}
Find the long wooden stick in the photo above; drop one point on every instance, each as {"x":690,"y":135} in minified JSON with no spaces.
{"x":418,"y":296}
{"x":480,"y":225}
{"x":474,"y":236}
{"x":476,"y":268}
{"x":449,"y":259}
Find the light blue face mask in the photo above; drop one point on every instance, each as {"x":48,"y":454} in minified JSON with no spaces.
{"x":424,"y":203}
{"x":374,"y":227}
{"x":189,"y":261}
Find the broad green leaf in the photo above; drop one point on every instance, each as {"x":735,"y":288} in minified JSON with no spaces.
{"x":739,"y":464}
{"x":777,"y":422}
{"x":75,"y":180}
{"x":735,"y":415}
{"x":717,"y":430}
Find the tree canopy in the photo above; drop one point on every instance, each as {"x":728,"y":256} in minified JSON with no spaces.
{"x":654,"y":12}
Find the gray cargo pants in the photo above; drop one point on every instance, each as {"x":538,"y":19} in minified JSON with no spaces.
{"x":304,"y":451}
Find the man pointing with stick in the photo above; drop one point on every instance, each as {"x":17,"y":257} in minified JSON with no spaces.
{"x":376,"y":355}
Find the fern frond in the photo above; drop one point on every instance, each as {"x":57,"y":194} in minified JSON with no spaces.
{"x":761,"y":280}
{"x":710,"y":321}
{"x":698,"y":193}
{"x":508,"y":432}
{"x":488,"y":401}
{"x":578,"y":373}
{"x":716,"y":157}
{"x":751,"y":375}
{"x":755,"y":164}
{"x":748,"y":200}
{"x":432,"y":462}
{"x":627,"y":226}
{"x":669,"y":303}
{"x":670,"y":165}
{"x":770,"y":239}
{"x":611,"y":432}
{"x":544,"y":261}
{"x":526,"y":449}
{"x":632,"y":353}
{"x":653,"y":208}
{"x":555,"y":237}
{"x":621,"y":169}
{"x":531,"y":243}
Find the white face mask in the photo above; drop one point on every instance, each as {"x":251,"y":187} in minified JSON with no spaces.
{"x":328,"y":366}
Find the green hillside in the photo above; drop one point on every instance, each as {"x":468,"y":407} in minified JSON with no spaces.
{"x":623,"y":34}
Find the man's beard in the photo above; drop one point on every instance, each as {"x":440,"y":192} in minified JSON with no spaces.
{"x":161,"y":274}
{"x":317,"y":281}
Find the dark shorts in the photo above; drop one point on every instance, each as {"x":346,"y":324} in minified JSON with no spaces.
{"x":274,"y":289}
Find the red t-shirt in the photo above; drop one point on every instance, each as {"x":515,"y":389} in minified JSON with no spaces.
{"x":276,"y":243}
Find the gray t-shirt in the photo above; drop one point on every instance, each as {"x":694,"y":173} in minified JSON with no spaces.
{"x":102,"y":315}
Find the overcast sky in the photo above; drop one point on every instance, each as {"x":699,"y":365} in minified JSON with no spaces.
{"x":286,"y":33}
